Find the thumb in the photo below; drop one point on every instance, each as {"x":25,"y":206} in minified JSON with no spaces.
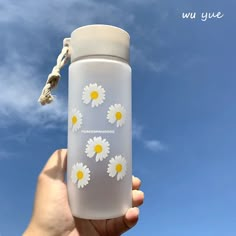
{"x":55,"y":167}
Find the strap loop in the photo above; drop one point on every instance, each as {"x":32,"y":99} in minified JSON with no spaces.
{"x":53,"y":78}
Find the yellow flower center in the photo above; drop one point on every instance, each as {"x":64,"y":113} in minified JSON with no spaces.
{"x":94,"y":95}
{"x":118,"y":115}
{"x":118,"y":168}
{"x":80,"y":175}
{"x":98,"y":148}
{"x":74,"y":120}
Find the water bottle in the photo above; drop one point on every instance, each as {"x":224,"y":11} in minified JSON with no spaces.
{"x":99,"y":163}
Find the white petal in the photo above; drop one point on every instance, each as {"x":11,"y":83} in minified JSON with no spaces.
{"x":112,"y":119}
{"x":118,"y":176}
{"x":90,"y":141}
{"x":93,"y":103}
{"x":79,"y":184}
{"x":86,"y":99}
{"x":98,"y":158}
{"x":73,"y":177}
{"x":91,"y":154}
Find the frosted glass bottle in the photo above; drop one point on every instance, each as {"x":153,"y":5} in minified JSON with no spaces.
{"x":99,"y":166}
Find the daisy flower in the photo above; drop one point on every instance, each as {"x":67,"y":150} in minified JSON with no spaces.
{"x":75,"y":120}
{"x":116,"y":114}
{"x":93,"y":93}
{"x":97,"y":147}
{"x":80,"y":175}
{"x":117,"y":167}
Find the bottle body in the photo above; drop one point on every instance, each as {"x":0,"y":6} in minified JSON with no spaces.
{"x":99,"y":165}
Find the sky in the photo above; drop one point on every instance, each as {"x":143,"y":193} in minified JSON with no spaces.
{"x":184,"y":112}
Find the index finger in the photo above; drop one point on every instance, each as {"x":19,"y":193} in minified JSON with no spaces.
{"x":136,"y":183}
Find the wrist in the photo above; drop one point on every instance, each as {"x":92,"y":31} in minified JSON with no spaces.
{"x":34,"y":230}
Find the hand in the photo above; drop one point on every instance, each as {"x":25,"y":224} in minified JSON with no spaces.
{"x":52,"y":214}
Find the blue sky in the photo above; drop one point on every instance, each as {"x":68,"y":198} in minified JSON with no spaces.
{"x":184,"y":110}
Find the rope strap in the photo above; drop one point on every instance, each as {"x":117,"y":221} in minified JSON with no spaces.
{"x":53,"y":78}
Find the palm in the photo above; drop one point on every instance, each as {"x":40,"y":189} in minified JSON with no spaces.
{"x":94,"y":228}
{"x":82,"y":227}
{"x":52,"y":214}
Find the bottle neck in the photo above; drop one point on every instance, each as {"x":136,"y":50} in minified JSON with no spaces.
{"x":100,"y":57}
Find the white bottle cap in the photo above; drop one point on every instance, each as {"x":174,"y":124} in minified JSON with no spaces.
{"x":99,"y":40}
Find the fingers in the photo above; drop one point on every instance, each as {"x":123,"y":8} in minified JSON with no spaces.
{"x":56,"y":165}
{"x":131,"y":217}
{"x":137,"y":195}
{"x":136,"y":183}
{"x":122,"y":224}
{"x":137,"y":198}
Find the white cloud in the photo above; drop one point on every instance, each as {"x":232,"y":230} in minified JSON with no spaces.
{"x":139,"y":57}
{"x":152,"y":145}
{"x":157,"y":67}
{"x":28,"y":27}
{"x":6,"y":155}
{"x":62,"y":16}
{"x":19,"y":137}
{"x":137,"y":130}
{"x":138,"y":2}
{"x":155,"y":145}
{"x":20,"y":89}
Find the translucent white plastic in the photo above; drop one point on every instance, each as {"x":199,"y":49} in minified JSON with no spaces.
{"x":99,"y":166}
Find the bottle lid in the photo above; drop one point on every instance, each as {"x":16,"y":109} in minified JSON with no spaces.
{"x":99,"y":40}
